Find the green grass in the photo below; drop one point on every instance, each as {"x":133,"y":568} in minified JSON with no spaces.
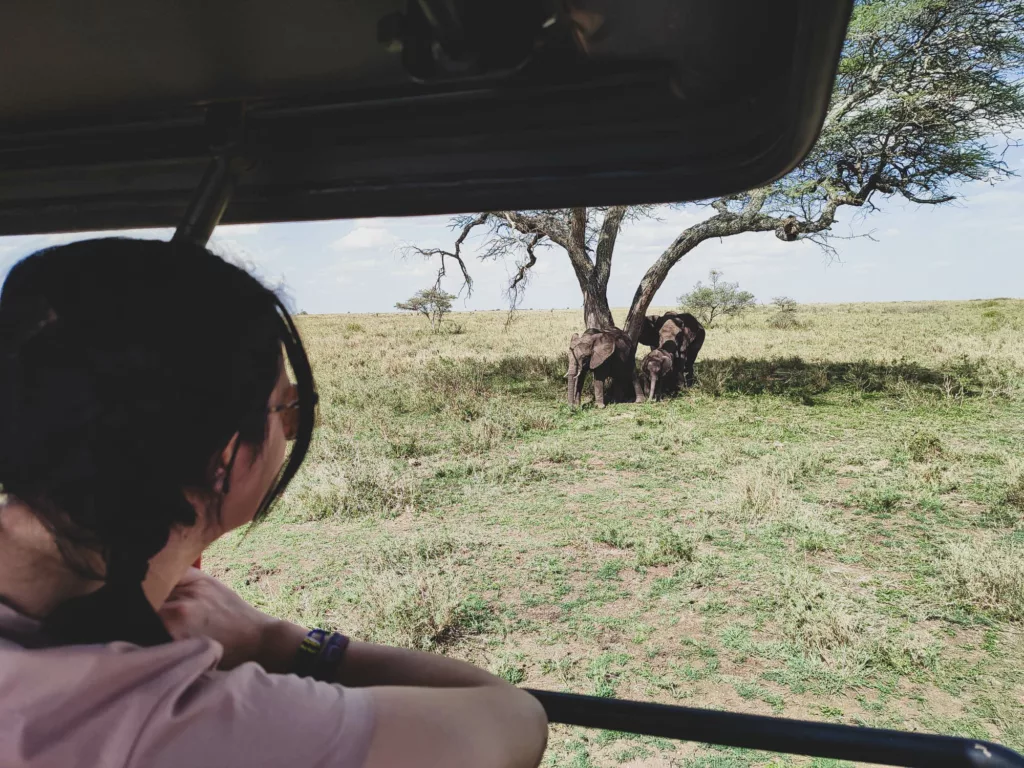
{"x":824,"y":527}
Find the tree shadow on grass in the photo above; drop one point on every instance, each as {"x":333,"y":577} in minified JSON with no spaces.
{"x":543,"y":376}
{"x":797,"y":377}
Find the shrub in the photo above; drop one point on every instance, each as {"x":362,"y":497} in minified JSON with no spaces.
{"x":715,"y":300}
{"x":432,"y":303}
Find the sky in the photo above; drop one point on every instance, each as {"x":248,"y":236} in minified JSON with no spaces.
{"x":973,"y":248}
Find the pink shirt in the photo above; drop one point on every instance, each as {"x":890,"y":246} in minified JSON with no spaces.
{"x":122,"y":706}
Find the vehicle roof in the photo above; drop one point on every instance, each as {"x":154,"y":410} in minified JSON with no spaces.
{"x":348,"y":108}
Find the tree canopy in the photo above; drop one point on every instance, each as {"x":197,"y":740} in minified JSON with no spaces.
{"x":432,"y":303}
{"x":716,"y":300}
{"x":927,"y":95}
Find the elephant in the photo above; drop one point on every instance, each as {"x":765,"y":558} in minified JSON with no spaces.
{"x":608,"y":353}
{"x":679,"y":333}
{"x":658,"y":368}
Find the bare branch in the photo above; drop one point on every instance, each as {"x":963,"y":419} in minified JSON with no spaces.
{"x":467,"y":225}
{"x":517,"y":288}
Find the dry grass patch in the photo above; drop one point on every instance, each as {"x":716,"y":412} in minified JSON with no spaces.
{"x":411,"y":594}
{"x":985,"y":575}
{"x":364,"y":485}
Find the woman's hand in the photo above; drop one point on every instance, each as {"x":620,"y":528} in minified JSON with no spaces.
{"x":202,"y":606}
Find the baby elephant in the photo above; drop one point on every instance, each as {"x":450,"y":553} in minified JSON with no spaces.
{"x":658,"y":370}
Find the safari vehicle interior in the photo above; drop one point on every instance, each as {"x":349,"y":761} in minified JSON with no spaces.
{"x":188,"y":114}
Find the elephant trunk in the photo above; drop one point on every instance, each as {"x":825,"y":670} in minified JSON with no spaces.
{"x":571,"y":390}
{"x":654,"y":384}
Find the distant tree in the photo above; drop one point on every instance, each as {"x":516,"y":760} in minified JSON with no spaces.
{"x":926,"y":92}
{"x":432,"y":303}
{"x":786,"y":315}
{"x":717,"y":299}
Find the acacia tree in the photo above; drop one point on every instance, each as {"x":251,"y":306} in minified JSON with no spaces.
{"x":717,"y":299}
{"x":432,"y":303}
{"x":923,"y":88}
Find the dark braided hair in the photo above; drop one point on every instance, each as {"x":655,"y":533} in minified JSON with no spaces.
{"x":126,"y":366}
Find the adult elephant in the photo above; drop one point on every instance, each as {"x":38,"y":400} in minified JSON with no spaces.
{"x":679,"y":333}
{"x":608,"y":353}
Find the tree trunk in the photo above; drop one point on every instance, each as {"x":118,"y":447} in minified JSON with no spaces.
{"x":655,"y":276}
{"x":596,"y":313}
{"x":643,"y":297}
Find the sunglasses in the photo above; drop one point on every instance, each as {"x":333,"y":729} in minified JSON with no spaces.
{"x":289,"y":411}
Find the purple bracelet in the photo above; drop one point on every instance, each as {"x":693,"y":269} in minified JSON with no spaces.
{"x":320,"y":654}
{"x":309,"y":652}
{"x":330,"y":657}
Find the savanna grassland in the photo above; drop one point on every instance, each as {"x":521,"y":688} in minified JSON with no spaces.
{"x":829,"y":526}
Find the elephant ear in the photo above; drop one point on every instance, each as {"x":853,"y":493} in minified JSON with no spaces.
{"x":604,"y":348}
{"x":574,"y":339}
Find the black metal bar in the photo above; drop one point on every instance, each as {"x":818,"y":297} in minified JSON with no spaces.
{"x":211,"y":198}
{"x":776,"y":734}
{"x":208,"y":204}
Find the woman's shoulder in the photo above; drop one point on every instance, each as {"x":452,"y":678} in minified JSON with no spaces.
{"x":168,"y":705}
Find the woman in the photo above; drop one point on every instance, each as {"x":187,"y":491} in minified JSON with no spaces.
{"x":144,"y":412}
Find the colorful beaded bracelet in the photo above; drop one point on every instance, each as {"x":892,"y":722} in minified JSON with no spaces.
{"x":320,"y":654}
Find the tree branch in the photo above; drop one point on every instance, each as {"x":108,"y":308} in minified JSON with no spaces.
{"x":927,"y":201}
{"x":429,"y":253}
{"x":543,"y":223}
{"x":606,"y":243}
{"x":517,"y":287}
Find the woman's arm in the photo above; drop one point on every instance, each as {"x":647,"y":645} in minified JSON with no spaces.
{"x":430,"y":710}
{"x":367,"y":664}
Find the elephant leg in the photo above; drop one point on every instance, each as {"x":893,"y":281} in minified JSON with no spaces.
{"x":692,"y":349}
{"x":688,"y":377}
{"x":638,"y":388}
{"x":598,"y":391}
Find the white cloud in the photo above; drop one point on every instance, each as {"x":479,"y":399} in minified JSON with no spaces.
{"x":366,"y":237}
